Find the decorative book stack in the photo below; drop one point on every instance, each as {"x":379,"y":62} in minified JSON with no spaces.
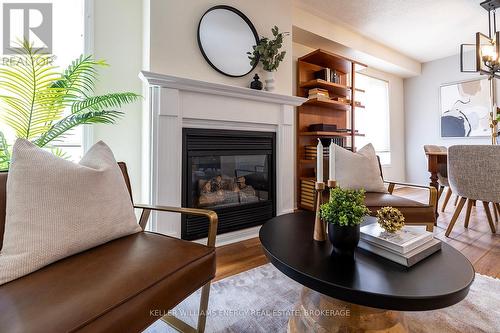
{"x":318,"y":93}
{"x":406,"y":247}
{"x":310,"y":152}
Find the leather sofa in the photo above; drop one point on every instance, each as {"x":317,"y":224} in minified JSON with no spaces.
{"x":121,"y":286}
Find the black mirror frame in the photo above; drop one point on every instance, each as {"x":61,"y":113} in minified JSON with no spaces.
{"x":247,"y":21}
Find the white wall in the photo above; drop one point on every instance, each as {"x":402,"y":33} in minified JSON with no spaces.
{"x":395,"y":171}
{"x":118,"y":40}
{"x":421,"y":95}
{"x":173,"y":38}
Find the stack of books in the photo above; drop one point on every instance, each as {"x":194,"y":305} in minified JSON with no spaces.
{"x":310,"y":152}
{"x":328,"y":75}
{"x":318,"y":93}
{"x":307,"y":193}
{"x":406,"y":247}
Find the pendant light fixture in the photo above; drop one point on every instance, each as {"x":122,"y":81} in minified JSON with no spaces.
{"x":487,"y":60}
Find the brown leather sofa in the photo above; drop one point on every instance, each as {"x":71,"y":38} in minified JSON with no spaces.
{"x":121,"y":286}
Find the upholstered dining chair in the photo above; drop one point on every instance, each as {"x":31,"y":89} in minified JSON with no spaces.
{"x":474,"y":175}
{"x":442,"y":175}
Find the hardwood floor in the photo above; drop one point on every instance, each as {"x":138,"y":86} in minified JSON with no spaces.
{"x":477,"y":242}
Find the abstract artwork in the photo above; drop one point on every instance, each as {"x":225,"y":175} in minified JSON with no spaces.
{"x":465,"y":109}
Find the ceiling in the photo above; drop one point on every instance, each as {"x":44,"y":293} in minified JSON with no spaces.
{"x":424,"y":30}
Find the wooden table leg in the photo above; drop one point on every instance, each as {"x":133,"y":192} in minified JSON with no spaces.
{"x":316,"y":312}
{"x":432,"y":167}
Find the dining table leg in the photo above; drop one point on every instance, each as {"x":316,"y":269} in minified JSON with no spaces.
{"x":433,"y":168}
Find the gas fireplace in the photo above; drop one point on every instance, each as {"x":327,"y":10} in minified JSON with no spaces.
{"x":230,"y":172}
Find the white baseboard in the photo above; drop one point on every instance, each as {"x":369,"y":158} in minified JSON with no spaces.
{"x":233,"y":237}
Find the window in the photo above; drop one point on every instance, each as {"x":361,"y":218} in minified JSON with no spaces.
{"x":68,"y":43}
{"x":374,"y":119}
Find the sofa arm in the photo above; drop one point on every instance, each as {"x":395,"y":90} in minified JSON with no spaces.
{"x":211,"y":215}
{"x":432,"y":190}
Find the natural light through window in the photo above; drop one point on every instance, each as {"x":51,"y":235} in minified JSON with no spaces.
{"x":374,"y":120}
{"x":68,"y":17}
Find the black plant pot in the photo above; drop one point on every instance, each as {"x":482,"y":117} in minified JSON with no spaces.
{"x":344,"y":239}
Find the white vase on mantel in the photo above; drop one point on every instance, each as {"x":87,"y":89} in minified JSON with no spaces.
{"x":269,"y":79}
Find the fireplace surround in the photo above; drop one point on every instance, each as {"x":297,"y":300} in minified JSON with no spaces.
{"x":230,"y":172}
{"x":176,"y":104}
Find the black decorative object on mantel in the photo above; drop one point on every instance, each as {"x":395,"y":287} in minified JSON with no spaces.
{"x":256,"y":83}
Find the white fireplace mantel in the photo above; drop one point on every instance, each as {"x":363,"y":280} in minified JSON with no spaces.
{"x":175,"y":103}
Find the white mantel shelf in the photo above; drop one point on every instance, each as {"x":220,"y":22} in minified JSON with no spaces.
{"x":175,"y":82}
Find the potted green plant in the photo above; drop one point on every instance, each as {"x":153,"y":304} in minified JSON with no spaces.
{"x":42,"y":104}
{"x":343,"y":214}
{"x":267,"y":51}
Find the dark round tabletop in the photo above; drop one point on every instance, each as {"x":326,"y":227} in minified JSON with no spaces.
{"x":438,"y":281}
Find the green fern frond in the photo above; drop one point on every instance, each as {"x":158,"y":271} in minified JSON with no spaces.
{"x":4,"y":153}
{"x":58,"y":130}
{"x":79,"y":78}
{"x":57,"y":151}
{"x":31,"y":102}
{"x":108,"y":101}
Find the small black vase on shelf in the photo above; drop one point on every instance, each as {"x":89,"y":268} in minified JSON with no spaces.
{"x":344,"y":239}
{"x":256,"y":83}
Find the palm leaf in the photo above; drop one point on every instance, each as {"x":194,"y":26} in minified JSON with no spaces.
{"x":79,"y":78}
{"x":30,"y":103}
{"x":58,"y":130}
{"x":4,"y":153}
{"x":57,"y":151}
{"x":108,"y":101}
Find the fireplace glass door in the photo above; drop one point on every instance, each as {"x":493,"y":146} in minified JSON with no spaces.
{"x":228,"y":181}
{"x":230,"y":172}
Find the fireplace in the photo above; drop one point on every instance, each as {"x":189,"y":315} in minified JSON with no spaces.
{"x":230,"y":172}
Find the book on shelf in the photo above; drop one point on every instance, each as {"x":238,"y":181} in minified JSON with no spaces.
{"x":323,"y":74}
{"x":408,"y":259}
{"x":403,"y":241}
{"x":318,"y":91}
{"x":319,"y":97}
{"x":328,"y":75}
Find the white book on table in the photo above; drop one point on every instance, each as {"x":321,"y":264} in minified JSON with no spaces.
{"x":403,"y":241}
{"x":408,"y":259}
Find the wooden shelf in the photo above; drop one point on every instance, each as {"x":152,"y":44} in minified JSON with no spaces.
{"x":327,"y":59}
{"x":330,"y":103}
{"x":334,"y":88}
{"x":324,"y":110}
{"x":318,"y":133}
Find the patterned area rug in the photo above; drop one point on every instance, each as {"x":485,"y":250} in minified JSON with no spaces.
{"x":261,"y":299}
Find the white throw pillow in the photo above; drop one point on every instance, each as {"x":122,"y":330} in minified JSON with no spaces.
{"x":358,"y":170}
{"x":56,"y":208}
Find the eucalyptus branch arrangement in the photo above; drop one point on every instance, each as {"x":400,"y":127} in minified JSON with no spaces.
{"x":42,"y":105}
{"x":267,"y":51}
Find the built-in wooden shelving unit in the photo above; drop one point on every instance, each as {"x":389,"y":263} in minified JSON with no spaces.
{"x":324,"y":111}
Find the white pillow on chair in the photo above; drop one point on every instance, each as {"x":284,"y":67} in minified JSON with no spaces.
{"x":56,"y":208}
{"x":358,"y":170}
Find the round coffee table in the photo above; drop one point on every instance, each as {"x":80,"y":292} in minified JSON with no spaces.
{"x":367,"y":294}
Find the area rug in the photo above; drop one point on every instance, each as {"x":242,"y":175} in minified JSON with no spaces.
{"x":261,"y":299}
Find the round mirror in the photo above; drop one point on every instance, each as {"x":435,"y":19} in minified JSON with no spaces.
{"x":225,"y":35}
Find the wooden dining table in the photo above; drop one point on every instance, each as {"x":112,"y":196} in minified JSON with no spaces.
{"x":434,"y":159}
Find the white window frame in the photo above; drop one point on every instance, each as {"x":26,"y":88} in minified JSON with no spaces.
{"x":88,"y":37}
{"x":389,"y":118}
